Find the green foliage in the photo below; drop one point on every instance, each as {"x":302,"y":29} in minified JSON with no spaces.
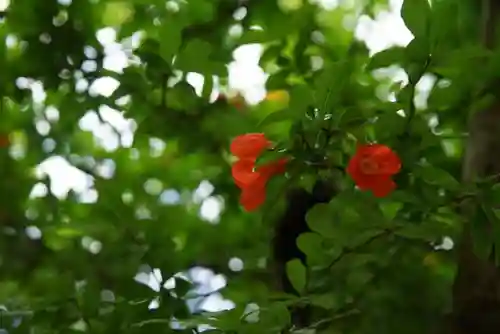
{"x":417,"y":15}
{"x":297,"y":274}
{"x":166,"y":202}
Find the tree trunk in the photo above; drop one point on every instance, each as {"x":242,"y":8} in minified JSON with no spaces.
{"x":476,"y":290}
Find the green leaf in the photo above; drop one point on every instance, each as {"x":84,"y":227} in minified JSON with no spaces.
{"x":311,"y":244}
{"x":389,"y":125}
{"x":297,"y":274}
{"x":390,"y":209}
{"x":269,"y":156}
{"x":432,"y":228}
{"x":442,"y":97}
{"x":492,"y":194}
{"x":208,"y":86}
{"x":308,"y":181}
{"x":190,"y":59}
{"x":415,"y":73}
{"x":345,"y":217}
{"x":319,"y":219}
{"x":358,"y":278}
{"x":386,"y":58}
{"x":277,"y":81}
{"x":300,"y":99}
{"x":170,"y":38}
{"x":275,"y":317}
{"x":182,"y":97}
{"x":325,"y":301}
{"x":327,"y":87}
{"x":405,"y":95}
{"x":416,"y":14}
{"x":201,"y":10}
{"x":438,"y":177}
{"x":277,"y":116}
{"x":417,"y":51}
{"x":182,"y":286}
{"x":57,"y":242}
{"x":416,"y":59}
{"x":353,"y":117}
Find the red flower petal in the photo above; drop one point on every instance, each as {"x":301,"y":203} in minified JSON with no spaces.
{"x":272,"y":168}
{"x":354,"y":170}
{"x":280,"y":166}
{"x":382,"y":186}
{"x":381,"y":158}
{"x":253,"y":180}
{"x":4,"y":141}
{"x":252,"y":198}
{"x":371,"y":168}
{"x":243,"y":173}
{"x":249,"y":145}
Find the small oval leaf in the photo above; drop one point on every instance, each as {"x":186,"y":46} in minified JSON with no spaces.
{"x":296,"y":273}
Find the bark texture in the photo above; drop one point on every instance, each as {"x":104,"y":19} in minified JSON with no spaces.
{"x":476,"y":290}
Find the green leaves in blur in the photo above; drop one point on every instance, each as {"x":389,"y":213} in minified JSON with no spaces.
{"x":164,"y":200}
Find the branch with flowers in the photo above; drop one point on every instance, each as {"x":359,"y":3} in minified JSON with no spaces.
{"x":371,"y":167}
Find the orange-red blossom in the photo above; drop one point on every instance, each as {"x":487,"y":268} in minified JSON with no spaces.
{"x":4,"y":140}
{"x":249,"y":178}
{"x":372,"y":168}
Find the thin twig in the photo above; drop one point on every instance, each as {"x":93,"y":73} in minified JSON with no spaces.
{"x":350,"y":250}
{"x":334,"y":318}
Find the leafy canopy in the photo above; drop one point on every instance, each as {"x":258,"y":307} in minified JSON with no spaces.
{"x":164,"y":198}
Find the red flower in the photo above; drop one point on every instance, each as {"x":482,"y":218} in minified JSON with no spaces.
{"x":249,"y":146}
{"x":4,"y":140}
{"x":372,"y":167}
{"x":249,"y":178}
